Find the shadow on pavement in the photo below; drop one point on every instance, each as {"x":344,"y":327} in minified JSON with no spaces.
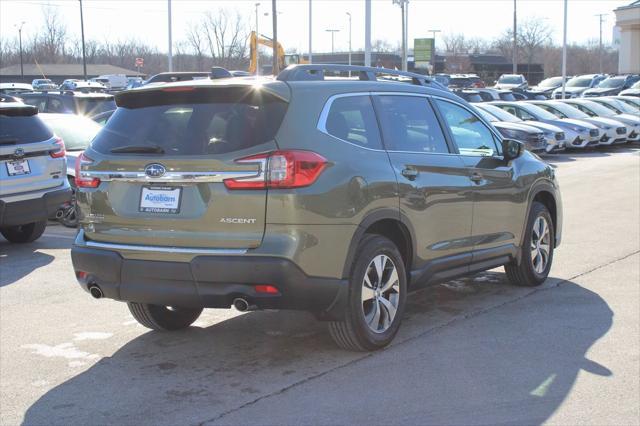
{"x":513,"y":365}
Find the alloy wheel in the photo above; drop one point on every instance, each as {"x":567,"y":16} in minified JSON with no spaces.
{"x":540,"y":244}
{"x":380,"y":293}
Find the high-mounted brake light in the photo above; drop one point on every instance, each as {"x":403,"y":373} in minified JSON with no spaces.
{"x":59,"y":150}
{"x":79,"y":180}
{"x":281,"y":169}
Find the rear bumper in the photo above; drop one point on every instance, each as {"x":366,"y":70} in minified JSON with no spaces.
{"x":210,"y":281}
{"x":34,"y":209}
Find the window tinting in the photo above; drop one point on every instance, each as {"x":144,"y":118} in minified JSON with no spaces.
{"x":16,"y":130}
{"x":213,"y":122}
{"x":352,"y":119}
{"x":409,"y":124}
{"x":469,"y":133}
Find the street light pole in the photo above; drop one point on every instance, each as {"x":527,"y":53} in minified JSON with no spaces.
{"x":333,"y":32}
{"x":515,"y":39}
{"x":404,"y":7}
{"x":170,"y":54}
{"x":349,"y":14}
{"x":564,"y":51}
{"x":600,"y":18}
{"x":84,"y":53}
{"x":276,"y":66}
{"x":257,"y":51}
{"x":20,"y":47}
{"x":367,"y":33}
{"x":310,"y":32}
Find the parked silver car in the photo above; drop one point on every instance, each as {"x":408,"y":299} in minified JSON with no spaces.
{"x":613,"y":131}
{"x":32,"y":172}
{"x":595,"y":109}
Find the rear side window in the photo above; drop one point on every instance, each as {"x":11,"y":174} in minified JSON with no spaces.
{"x":200,"y":122}
{"x":15,"y":130}
{"x":352,"y":119}
{"x":410,"y":124}
{"x":471,"y":136}
{"x":89,"y":106}
{"x":37,"y":101}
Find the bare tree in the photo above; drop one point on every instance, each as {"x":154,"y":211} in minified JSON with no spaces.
{"x":53,"y":36}
{"x":196,"y":41}
{"x":454,"y":43}
{"x":533,"y":34}
{"x":227,"y":36}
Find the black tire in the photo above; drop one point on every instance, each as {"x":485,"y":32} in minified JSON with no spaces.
{"x":27,"y":233}
{"x":163,"y":318}
{"x":353,"y":333}
{"x":524,"y":274}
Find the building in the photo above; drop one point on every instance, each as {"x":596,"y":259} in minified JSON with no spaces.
{"x":59,"y":72}
{"x":628,"y":23}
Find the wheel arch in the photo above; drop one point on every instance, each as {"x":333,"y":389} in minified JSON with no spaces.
{"x":388,"y":224}
{"x":544,"y":194}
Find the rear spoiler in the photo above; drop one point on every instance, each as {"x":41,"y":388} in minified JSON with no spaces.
{"x":17,"y":110}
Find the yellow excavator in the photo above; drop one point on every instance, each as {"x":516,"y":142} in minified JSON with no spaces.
{"x":283,"y":60}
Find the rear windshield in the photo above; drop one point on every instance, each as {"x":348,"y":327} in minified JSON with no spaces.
{"x":15,"y":130}
{"x":93,"y":106}
{"x":203,"y":121}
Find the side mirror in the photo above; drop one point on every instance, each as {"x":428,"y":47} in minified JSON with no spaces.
{"x":512,"y":149}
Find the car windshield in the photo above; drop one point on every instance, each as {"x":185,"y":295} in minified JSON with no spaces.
{"x":551,"y":82}
{"x":568,"y":110}
{"x":94,"y":106}
{"x":579,"y":82}
{"x":536,"y":110}
{"x":484,"y":114}
{"x":613,"y":82}
{"x":510,"y":79}
{"x":500,"y":114}
{"x":598,"y":109}
{"x":636,"y":85}
{"x":76,"y":132}
{"x":618,"y":105}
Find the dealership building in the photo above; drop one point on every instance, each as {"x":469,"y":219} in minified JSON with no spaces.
{"x":628,"y":23}
{"x":59,"y":72}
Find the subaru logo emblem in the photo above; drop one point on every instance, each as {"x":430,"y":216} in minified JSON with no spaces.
{"x":18,"y":153}
{"x":154,"y":170}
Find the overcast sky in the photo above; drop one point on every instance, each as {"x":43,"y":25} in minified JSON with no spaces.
{"x":146,"y":20}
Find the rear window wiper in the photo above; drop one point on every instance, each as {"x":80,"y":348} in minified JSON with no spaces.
{"x":138,"y":149}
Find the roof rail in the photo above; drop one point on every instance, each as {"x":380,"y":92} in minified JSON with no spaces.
{"x":315,"y":72}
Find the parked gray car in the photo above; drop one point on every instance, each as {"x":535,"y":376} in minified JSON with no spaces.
{"x":334,"y":196}
{"x":577,"y":85}
{"x":32,"y":172}
{"x":554,"y":136}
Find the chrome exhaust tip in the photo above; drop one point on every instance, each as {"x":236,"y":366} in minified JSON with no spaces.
{"x":242,"y":305}
{"x":95,"y":291}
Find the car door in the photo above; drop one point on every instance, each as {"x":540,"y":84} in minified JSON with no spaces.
{"x":498,"y":207}
{"x":434,"y":188}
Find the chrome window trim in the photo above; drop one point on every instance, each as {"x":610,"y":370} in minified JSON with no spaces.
{"x":80,"y":240}
{"x":322,"y":120}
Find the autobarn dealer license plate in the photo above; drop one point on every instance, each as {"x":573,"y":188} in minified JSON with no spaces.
{"x":160,"y":199}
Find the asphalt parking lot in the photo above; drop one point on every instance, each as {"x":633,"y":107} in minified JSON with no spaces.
{"x":471,"y":351}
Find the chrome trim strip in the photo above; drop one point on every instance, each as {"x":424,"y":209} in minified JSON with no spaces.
{"x":178,"y":177}
{"x":161,"y":249}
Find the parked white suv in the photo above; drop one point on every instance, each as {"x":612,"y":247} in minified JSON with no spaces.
{"x":32,"y":171}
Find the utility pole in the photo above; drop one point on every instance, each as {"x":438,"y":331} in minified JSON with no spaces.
{"x":367,"y":33}
{"x":170,"y":55}
{"x":274,"y":16}
{"x":564,"y":51}
{"x":257,"y":50}
{"x":333,"y":32}
{"x":433,"y":54}
{"x":601,"y":18}
{"x":515,"y":39}
{"x":20,"y":47}
{"x":84,"y":53}
{"x":310,"y":32}
{"x":349,"y":14}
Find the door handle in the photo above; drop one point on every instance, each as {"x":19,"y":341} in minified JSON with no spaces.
{"x":476,"y":177}
{"x":410,"y":173}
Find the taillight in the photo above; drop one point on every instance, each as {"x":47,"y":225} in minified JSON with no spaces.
{"x":59,"y":150}
{"x":83,"y":182}
{"x":281,"y":169}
